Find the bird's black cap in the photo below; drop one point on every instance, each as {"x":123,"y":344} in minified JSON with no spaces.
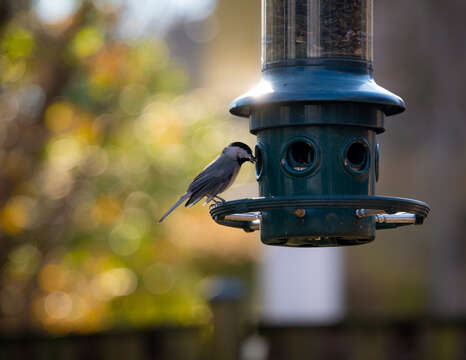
{"x":242,"y":146}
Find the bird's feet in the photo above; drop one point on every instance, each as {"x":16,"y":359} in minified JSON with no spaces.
{"x":215,"y":203}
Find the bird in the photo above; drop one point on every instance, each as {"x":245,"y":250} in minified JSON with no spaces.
{"x":216,"y":177}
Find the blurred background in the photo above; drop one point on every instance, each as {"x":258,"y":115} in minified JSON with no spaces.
{"x":108,"y":108}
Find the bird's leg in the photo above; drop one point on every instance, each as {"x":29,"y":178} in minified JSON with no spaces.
{"x":221,"y":199}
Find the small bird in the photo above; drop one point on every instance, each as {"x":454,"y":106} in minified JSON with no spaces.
{"x":216,"y":177}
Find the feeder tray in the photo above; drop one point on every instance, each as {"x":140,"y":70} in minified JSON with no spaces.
{"x":384,"y":211}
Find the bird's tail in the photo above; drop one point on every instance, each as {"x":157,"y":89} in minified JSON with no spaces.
{"x":178,"y":203}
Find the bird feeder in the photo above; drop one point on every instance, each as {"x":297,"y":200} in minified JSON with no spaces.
{"x":316,"y":113}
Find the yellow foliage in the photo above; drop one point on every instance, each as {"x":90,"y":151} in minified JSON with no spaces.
{"x":14,"y":216}
{"x":88,"y":132}
{"x":24,"y":260}
{"x":123,"y":115}
{"x":65,"y":152}
{"x":52,"y":277}
{"x":164,"y":125}
{"x":106,"y":209}
{"x":18,"y":43}
{"x":12,"y":70}
{"x":87,"y":42}
{"x":106,"y":67}
{"x":60,"y":116}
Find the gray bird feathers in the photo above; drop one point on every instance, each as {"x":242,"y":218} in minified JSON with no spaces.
{"x":216,"y":177}
{"x":178,"y":203}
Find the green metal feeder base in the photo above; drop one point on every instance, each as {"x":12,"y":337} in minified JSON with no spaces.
{"x":310,"y":221}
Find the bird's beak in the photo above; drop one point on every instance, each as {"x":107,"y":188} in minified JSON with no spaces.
{"x":252,"y":159}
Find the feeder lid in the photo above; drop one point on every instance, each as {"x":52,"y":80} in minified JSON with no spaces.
{"x":317,"y":84}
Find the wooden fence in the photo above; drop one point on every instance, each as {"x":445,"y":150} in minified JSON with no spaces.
{"x":225,"y":339}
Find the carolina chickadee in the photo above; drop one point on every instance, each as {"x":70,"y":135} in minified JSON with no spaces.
{"x":216,"y":177}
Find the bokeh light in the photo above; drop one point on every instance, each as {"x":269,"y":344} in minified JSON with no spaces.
{"x":113,"y":283}
{"x":197,"y":10}
{"x":58,"y":305}
{"x":125,"y":239}
{"x":87,"y":42}
{"x":25,"y":259}
{"x":52,"y":11}
{"x":17,"y":214}
{"x":158,"y":279}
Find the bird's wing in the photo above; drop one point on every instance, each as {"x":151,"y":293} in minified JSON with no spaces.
{"x":220,"y":168}
{"x":206,"y":172}
{"x":210,"y":187}
{"x":213,"y":180}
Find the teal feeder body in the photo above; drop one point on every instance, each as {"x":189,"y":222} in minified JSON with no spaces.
{"x":300,"y":159}
{"x":316,"y":135}
{"x":316,"y":114}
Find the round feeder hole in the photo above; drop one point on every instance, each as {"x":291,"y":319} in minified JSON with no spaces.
{"x":300,"y":157}
{"x":258,"y":154}
{"x":356,"y":158}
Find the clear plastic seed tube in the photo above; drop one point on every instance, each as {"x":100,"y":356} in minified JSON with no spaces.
{"x":302,"y":31}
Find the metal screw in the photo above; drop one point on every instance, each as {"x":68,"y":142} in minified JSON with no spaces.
{"x":300,"y":213}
